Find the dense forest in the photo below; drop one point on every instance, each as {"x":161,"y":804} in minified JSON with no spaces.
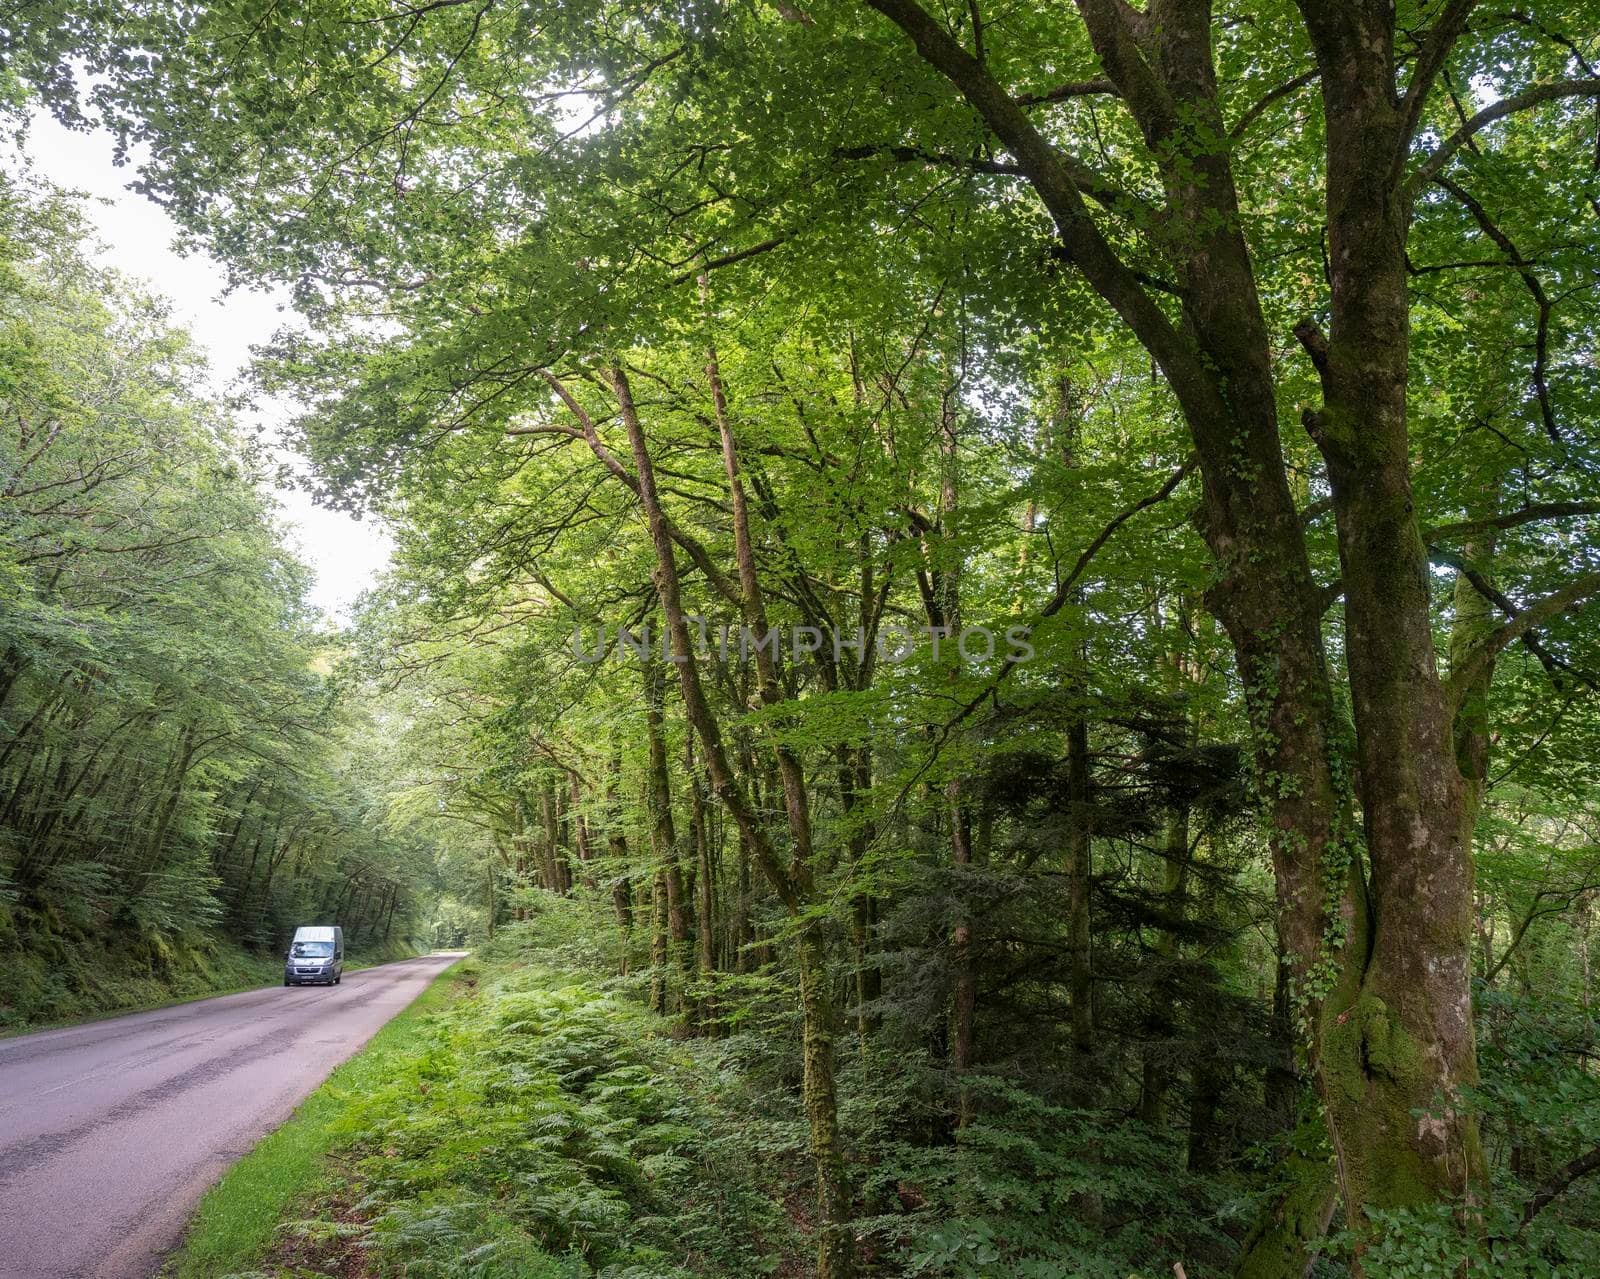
{"x":188,"y":766}
{"x":1029,"y":572}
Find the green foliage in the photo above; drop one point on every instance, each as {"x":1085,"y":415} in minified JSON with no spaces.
{"x":1031,"y":1190}
{"x":1441,"y":1240}
{"x":179,"y":770}
{"x":1537,"y":1062}
{"x":544,"y":1127}
{"x":936,"y":414}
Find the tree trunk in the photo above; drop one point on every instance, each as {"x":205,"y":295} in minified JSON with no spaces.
{"x":793,"y":884}
{"x":660,"y":941}
{"x":490,"y":906}
{"x":943,"y":604}
{"x":580,"y":829}
{"x":854,"y":787}
{"x":705,"y":890}
{"x":964,"y":992}
{"x":1285,"y":1241}
{"x":669,"y":871}
{"x":617,"y":843}
{"x":1161,"y":1022}
{"x":1080,"y":868}
{"x":1397,"y":1044}
{"x":561,"y":842}
{"x":550,"y":846}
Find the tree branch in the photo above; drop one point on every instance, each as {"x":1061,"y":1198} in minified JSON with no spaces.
{"x":1565,"y":1176}
{"x":1535,"y":913}
{"x":1094,"y":186}
{"x":1541,"y":299}
{"x":1526,"y":20}
{"x":1064,"y":92}
{"x":728,"y":259}
{"x":715,"y":576}
{"x":1117,"y":31}
{"x":975,"y":164}
{"x":1066,"y":585}
{"x":1254,"y":111}
{"x":1534,"y":512}
{"x":1528,"y":98}
{"x":1554,"y":667}
{"x":1572,"y":595}
{"x":1310,"y":335}
{"x":1051,"y":179}
{"x":1435,"y":53}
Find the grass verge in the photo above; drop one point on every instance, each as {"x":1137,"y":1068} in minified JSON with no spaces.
{"x":236,"y":1221}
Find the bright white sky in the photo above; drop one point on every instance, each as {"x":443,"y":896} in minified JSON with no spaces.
{"x":346,"y":553}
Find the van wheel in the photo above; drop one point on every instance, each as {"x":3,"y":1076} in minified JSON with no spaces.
{"x":338,"y":979}
{"x":287,"y":982}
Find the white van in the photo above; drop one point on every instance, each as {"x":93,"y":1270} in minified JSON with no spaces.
{"x":316,"y":955}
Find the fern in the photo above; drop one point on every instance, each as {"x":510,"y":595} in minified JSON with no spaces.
{"x":557,"y":1135}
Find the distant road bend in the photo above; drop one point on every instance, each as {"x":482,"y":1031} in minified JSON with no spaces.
{"x":110,"y":1132}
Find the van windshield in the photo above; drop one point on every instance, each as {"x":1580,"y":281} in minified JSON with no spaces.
{"x":311,"y":950}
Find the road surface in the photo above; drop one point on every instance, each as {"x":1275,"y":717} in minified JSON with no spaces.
{"x":110,"y":1132}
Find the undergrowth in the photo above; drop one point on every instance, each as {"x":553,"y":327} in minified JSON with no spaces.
{"x":46,"y":985}
{"x":547,"y":1126}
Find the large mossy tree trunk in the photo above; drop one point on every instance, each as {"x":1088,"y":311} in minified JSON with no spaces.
{"x":1397,"y":1045}
{"x":1379,"y":960}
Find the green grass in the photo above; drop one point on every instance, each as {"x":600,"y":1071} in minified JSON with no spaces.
{"x":235,"y":1224}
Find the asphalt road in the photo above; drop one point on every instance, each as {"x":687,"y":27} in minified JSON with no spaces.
{"x":110,"y":1132}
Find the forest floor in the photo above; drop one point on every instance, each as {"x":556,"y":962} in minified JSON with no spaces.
{"x":527,"y":1116}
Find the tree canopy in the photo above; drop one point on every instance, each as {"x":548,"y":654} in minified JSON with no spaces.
{"x":1209,"y":390}
{"x":179,"y":756}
